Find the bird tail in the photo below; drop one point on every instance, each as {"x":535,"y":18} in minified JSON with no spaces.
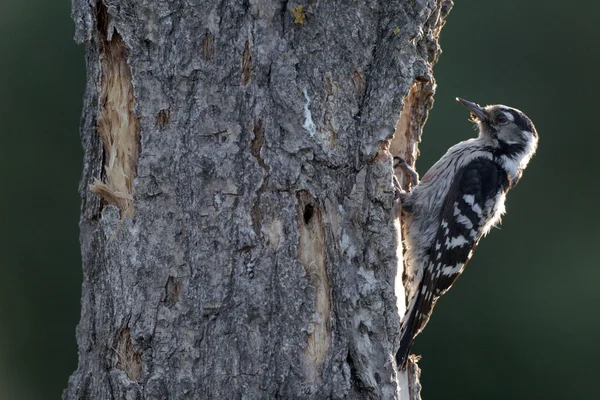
{"x":407,"y":333}
{"x":406,"y":339}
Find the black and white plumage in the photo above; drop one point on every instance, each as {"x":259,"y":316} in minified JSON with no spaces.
{"x":456,"y":203}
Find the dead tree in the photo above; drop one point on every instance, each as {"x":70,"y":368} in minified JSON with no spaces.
{"x":238,"y":230}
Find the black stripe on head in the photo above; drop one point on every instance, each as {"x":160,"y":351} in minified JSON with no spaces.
{"x":510,"y":150}
{"x":521,"y":120}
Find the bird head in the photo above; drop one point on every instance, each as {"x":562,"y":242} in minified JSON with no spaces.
{"x":509,"y":131}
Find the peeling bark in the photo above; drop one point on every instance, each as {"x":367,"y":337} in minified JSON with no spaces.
{"x":312,"y":252}
{"x":118,"y":126}
{"x":256,"y":143}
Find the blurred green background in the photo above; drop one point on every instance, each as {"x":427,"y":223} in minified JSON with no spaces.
{"x":42,"y":76}
{"x":521,"y":323}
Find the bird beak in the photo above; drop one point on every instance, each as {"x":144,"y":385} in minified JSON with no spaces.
{"x":474,"y":108}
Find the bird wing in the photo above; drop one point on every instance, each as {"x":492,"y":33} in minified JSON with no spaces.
{"x":468,"y":207}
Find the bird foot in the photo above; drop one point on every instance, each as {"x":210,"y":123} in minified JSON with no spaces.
{"x":399,"y":193}
{"x":412,"y":174}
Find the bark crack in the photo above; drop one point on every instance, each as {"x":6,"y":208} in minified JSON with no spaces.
{"x":246,"y":63}
{"x":208,"y":45}
{"x":128,"y":360}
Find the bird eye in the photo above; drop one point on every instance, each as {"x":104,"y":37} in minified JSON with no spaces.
{"x":501,"y":119}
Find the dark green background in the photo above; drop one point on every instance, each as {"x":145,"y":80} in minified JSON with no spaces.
{"x":522,"y":322}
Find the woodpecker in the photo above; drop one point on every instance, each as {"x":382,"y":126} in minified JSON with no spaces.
{"x":456,"y":203}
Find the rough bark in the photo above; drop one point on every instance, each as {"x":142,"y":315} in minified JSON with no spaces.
{"x":238,"y":230}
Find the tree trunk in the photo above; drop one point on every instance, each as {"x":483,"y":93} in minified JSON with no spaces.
{"x":238,"y":229}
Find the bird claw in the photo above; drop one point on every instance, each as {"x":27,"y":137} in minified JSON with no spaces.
{"x":412,"y":174}
{"x":399,"y":193}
